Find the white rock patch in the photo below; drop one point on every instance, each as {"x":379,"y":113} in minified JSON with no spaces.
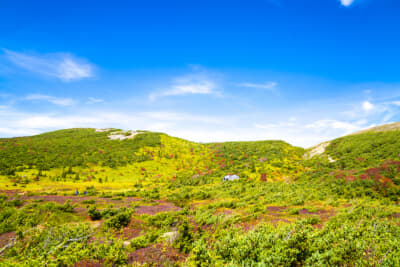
{"x":118,"y":134}
{"x":122,"y":135}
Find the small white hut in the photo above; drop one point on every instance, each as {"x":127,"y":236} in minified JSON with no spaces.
{"x":230,"y":177}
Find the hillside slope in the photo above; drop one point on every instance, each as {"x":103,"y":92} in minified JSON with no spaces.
{"x":368,"y":160}
{"x":363,"y":149}
{"x":98,"y":156}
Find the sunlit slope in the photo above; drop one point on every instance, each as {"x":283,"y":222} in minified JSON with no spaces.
{"x":87,"y":155}
{"x":70,"y":148}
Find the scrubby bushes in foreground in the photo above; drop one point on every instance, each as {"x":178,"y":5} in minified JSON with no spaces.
{"x":349,"y":239}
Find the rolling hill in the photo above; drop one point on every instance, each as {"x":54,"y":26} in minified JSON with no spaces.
{"x":90,"y":155}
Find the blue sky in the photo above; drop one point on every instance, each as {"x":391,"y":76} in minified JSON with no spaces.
{"x":303,"y":71}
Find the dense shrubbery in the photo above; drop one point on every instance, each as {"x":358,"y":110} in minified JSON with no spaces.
{"x":63,"y":246}
{"x":12,"y":218}
{"x":351,"y":238}
{"x":364,"y":150}
{"x":119,"y":220}
{"x":116,"y":218}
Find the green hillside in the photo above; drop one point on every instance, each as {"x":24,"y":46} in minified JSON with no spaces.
{"x":71,"y":148}
{"x":156,"y":200}
{"x":87,"y":155}
{"x":368,"y":162}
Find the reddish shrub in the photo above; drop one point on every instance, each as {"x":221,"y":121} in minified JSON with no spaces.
{"x":339,"y":175}
{"x":373,"y":171}
{"x":350,"y":178}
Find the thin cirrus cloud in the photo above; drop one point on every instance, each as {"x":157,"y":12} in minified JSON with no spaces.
{"x":93,"y":100}
{"x":346,"y":2}
{"x":346,"y":126}
{"x":62,"y":66}
{"x":265,"y":86}
{"x":51,"y":99}
{"x":192,"y":84}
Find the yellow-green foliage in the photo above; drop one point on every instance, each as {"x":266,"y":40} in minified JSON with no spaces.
{"x":77,"y":158}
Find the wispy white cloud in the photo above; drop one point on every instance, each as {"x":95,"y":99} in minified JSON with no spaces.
{"x":347,"y":2}
{"x":200,"y":84}
{"x":314,"y":122}
{"x":63,"y":66}
{"x":93,"y":100}
{"x":366,"y":109}
{"x":396,"y":103}
{"x":51,"y":99}
{"x":367,"y":106}
{"x":265,"y":86}
{"x":346,"y":126}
